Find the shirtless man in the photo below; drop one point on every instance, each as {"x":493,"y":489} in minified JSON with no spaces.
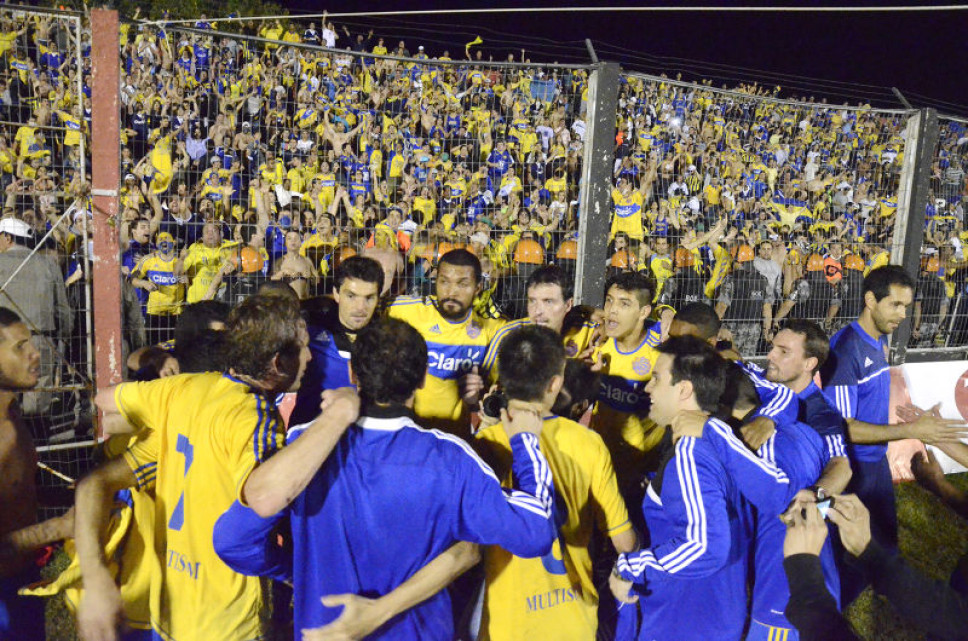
{"x":21,"y":618}
{"x":298,"y":271}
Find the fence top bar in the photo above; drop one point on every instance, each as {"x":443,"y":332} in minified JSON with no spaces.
{"x":955,"y":118}
{"x":13,"y":8}
{"x":355,"y":54}
{"x":749,"y":96}
{"x":636,"y":9}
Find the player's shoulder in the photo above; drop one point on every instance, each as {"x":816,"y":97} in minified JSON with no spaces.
{"x":409,"y":307}
{"x":501,"y":328}
{"x":446,"y":446}
{"x":571,"y":436}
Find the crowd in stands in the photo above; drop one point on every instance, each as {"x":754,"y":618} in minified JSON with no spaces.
{"x":306,"y":209}
{"x":246,"y":159}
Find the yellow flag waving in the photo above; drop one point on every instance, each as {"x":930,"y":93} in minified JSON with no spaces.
{"x":476,"y":41}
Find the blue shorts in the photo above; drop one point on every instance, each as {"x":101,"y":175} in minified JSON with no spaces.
{"x":762,"y":632}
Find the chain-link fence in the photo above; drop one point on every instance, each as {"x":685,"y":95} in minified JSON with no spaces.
{"x":44,"y":267}
{"x":765,"y":208}
{"x":269,"y":159}
{"x":940,"y":316}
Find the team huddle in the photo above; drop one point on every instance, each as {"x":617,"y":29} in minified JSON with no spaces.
{"x":426,"y":441}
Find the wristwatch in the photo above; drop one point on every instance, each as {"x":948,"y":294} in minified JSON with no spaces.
{"x":818,"y":492}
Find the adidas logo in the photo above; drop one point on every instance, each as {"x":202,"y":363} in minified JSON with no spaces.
{"x":868,"y":362}
{"x":435,"y":329}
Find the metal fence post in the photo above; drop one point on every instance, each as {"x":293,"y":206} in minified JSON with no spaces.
{"x":909,"y":225}
{"x":595,"y":208}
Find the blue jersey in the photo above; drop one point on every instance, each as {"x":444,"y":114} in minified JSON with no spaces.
{"x":857,"y":379}
{"x":692,"y":579}
{"x":777,"y":402}
{"x":348,"y":534}
{"x":801,"y":453}
{"x":761,"y":482}
{"x":818,"y":412}
{"x":329,"y":368}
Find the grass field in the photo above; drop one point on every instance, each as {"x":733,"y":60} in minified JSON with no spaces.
{"x":932,"y":539}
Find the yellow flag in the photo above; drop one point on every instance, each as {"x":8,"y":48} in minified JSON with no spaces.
{"x":476,"y":41}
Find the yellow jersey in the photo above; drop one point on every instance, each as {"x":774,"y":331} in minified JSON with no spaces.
{"x":201,"y":265}
{"x":454,"y":348}
{"x":201,"y":435}
{"x":628,"y":214}
{"x":621,"y":413}
{"x":574,"y":340}
{"x":721,"y":263}
{"x":169,"y":296}
{"x":554,"y":597}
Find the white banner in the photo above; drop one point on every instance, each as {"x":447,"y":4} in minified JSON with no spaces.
{"x":925,"y":385}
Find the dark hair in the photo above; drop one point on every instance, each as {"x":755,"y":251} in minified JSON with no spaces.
{"x":879,"y":281}
{"x":202,"y":352}
{"x":552,"y":275}
{"x":359,"y":268}
{"x":528,"y":359}
{"x":701,"y":316}
{"x":278,"y":288}
{"x":196,"y":318}
{"x":815,"y":341}
{"x":9,"y":317}
{"x":247,"y":231}
{"x":390,"y":360}
{"x":259,"y":328}
{"x":694,"y":360}
{"x":581,"y":384}
{"x":462,"y":258}
{"x":739,"y":391}
{"x":633,"y":282}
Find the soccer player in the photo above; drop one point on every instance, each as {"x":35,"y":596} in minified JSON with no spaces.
{"x":692,"y":577}
{"x":799,"y":350}
{"x":349,"y":536}
{"x":858,"y":381}
{"x":800,"y":452}
{"x":626,"y":360}
{"x":20,"y":618}
{"x":553,"y":596}
{"x":550,"y":303}
{"x":701,"y":321}
{"x":199,"y":438}
{"x":356,"y":290}
{"x":457,"y":338}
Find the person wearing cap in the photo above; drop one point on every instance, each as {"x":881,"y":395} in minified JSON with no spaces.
{"x":745,"y":303}
{"x":159,"y":275}
{"x":686,"y":285}
{"x":33,"y":286}
{"x":930,"y":304}
{"x":813,"y":298}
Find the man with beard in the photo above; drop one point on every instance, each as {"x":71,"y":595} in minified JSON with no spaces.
{"x":857,"y":379}
{"x":457,"y":339}
{"x":813,"y":297}
{"x":20,"y":618}
{"x":356,"y":292}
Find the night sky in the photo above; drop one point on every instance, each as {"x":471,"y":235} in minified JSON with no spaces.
{"x":840,"y":56}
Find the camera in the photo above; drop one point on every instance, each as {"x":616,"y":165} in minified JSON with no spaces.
{"x":492,"y":404}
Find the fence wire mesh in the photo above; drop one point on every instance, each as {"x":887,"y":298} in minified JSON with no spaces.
{"x":262,"y":160}
{"x":940,"y":317}
{"x":45,"y":266}
{"x":768,"y":209}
